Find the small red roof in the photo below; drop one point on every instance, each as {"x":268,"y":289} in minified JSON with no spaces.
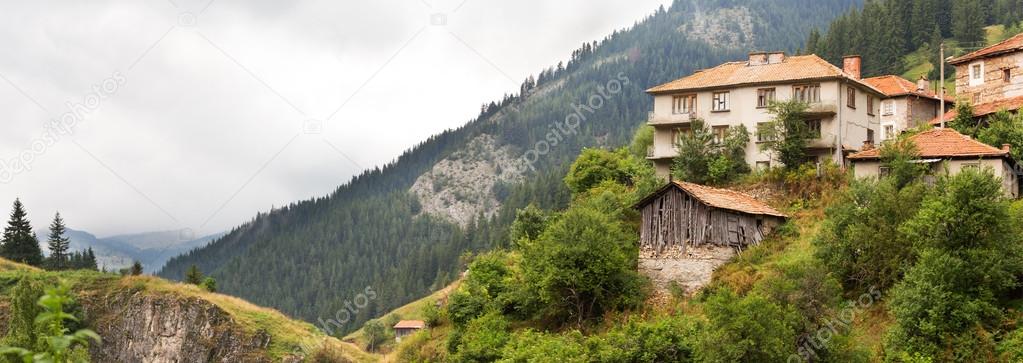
{"x":894,"y":86}
{"x":410,"y":324}
{"x":941,"y":143}
{"x":1010,"y":45}
{"x":984,"y":109}
{"x":720,"y":198}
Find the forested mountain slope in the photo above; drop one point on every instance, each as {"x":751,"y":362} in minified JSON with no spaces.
{"x":313,"y":258}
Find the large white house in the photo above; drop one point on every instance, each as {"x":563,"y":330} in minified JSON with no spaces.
{"x":843,"y":109}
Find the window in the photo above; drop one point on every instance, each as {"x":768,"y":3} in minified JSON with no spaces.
{"x":683,"y":104}
{"x":884,"y":171}
{"x":720,"y":102}
{"x":977,"y":73}
{"x":850,"y":97}
{"x":763,"y":165}
{"x":678,"y":133}
{"x":971,"y":165}
{"x":888,"y":108}
{"x":764,"y":97}
{"x":763,"y":132}
{"x":889,"y":132}
{"x":808,"y":93}
{"x":870,"y":105}
{"x":814,"y":128}
{"x":1006,"y":75}
{"x":976,"y":98}
{"x":870,"y":136}
{"x":720,"y":133}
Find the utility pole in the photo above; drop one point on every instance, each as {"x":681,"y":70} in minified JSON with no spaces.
{"x":941,"y":95}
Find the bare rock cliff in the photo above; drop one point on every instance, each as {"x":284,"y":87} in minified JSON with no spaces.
{"x":148,"y":327}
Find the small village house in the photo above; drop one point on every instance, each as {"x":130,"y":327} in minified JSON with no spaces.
{"x":906,"y":104}
{"x":990,"y":79}
{"x":945,"y":149}
{"x":842,"y":114}
{"x":683,"y":214}
{"x":407,"y":327}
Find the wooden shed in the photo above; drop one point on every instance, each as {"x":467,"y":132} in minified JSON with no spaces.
{"x":684,"y":214}
{"x":407,"y":327}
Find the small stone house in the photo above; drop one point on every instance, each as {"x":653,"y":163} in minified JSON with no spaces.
{"x":407,"y":327}
{"x":906,"y":104}
{"x":684,"y":214}
{"x":945,"y":149}
{"x":990,"y":79}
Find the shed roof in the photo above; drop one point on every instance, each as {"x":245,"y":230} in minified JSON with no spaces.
{"x":410,"y":324}
{"x":941,"y":143}
{"x":731,"y":74}
{"x":718,"y":198}
{"x":1010,"y":45}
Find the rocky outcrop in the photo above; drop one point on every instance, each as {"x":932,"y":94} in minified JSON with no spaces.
{"x":462,"y":186}
{"x":728,"y":27}
{"x":155,"y":327}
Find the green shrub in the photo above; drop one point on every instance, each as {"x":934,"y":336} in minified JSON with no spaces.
{"x":747,"y":329}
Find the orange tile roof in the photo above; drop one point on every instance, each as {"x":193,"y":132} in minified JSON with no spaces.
{"x":894,"y":86}
{"x":410,"y":324}
{"x":731,"y":74}
{"x":941,"y":143}
{"x":719,"y":198}
{"x":1010,"y":45}
{"x":984,"y":109}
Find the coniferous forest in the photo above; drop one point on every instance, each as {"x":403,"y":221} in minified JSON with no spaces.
{"x":308,"y":258}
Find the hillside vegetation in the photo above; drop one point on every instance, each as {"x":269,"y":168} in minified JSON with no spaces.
{"x":191,"y":323}
{"x":309,"y":258}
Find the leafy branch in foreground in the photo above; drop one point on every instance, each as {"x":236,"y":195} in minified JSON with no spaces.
{"x":59,"y":345}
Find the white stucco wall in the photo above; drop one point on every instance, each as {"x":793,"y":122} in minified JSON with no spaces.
{"x":1001,"y":168}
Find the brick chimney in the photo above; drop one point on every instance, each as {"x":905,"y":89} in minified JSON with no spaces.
{"x":867,"y":145}
{"x":851,"y":64}
{"x":923,"y":84}
{"x":764,"y":58}
{"x":1006,"y":148}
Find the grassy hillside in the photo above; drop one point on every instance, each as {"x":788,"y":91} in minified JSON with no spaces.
{"x":94,"y":291}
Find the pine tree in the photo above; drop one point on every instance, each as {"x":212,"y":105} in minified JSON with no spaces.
{"x":59,"y":244}
{"x":19,"y":242}
{"x":194,"y":276}
{"x":89,"y":260}
{"x":812,"y":40}
{"x":136,"y":268}
{"x":968,"y":22}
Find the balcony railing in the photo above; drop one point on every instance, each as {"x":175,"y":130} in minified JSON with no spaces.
{"x":653,"y":153}
{"x":670,"y":119}
{"x":823,"y":107}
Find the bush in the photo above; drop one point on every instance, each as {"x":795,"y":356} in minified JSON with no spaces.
{"x":594,"y":166}
{"x":582,"y":266}
{"x":532,"y":346}
{"x":483,"y":339}
{"x":787,"y":132}
{"x":746,"y":329}
{"x":667,"y":339}
{"x":55,"y":342}
{"x":861,"y":240}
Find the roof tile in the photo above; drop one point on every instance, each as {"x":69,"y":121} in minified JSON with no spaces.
{"x":984,"y":109}
{"x":793,"y":68}
{"x":410,"y":324}
{"x":728,"y":199}
{"x":1012,"y":44}
{"x":894,"y":86}
{"x":941,"y":143}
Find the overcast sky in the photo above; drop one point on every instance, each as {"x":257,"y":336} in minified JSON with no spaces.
{"x":133,"y":116}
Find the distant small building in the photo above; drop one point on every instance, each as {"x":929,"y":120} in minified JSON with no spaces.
{"x":906,"y":104}
{"x":990,"y":79}
{"x":407,"y":327}
{"x":684,"y":214}
{"x":942,"y":148}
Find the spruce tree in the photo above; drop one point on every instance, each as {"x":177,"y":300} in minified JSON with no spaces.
{"x":968,"y":22}
{"x":89,"y":260}
{"x":194,"y":276}
{"x":59,"y":244}
{"x":19,"y":242}
{"x":136,"y":268}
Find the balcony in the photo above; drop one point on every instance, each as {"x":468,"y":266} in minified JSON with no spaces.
{"x":823,"y":108}
{"x":658,"y":119}
{"x":655,"y":153}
